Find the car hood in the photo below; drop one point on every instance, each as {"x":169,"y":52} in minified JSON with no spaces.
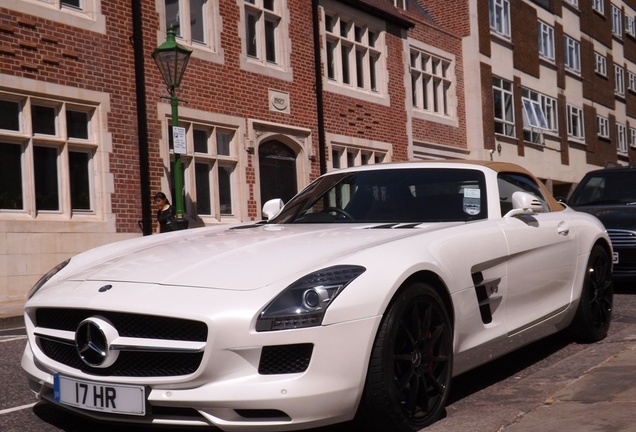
{"x":237,"y":259}
{"x":613,"y":216}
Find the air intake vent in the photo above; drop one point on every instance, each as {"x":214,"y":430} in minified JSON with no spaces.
{"x":285,"y":359}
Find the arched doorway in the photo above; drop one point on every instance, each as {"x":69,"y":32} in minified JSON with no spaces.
{"x":277,"y":165}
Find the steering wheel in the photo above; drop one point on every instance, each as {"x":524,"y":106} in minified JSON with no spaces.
{"x":338,"y":211}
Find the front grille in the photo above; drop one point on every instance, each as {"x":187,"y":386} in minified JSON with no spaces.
{"x":129,"y":363}
{"x":127,"y":325}
{"x":285,"y":359}
{"x":622,"y":238}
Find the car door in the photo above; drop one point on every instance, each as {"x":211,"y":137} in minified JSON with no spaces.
{"x":542,"y":257}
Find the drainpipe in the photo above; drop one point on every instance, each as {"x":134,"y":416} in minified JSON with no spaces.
{"x":322,"y":146}
{"x":142,"y":118}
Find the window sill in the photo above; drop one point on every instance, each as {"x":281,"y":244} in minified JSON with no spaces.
{"x":95,"y":21}
{"x":445,"y":120}
{"x":337,"y":88}
{"x":272,"y":71}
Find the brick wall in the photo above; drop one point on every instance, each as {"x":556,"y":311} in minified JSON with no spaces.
{"x":596,"y":87}
{"x":594,"y":24}
{"x":50,"y":52}
{"x":525,"y":38}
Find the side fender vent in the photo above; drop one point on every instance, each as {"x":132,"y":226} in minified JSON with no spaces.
{"x":488,"y":297}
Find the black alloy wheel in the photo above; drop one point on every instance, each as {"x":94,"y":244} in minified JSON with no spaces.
{"x":594,"y":313}
{"x":410,"y":371}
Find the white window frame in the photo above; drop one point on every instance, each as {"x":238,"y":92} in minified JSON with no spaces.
{"x":574,"y":3}
{"x":215,"y":161}
{"x":400,"y":4}
{"x":630,"y":25}
{"x":533,"y":114}
{"x":506,"y":123}
{"x":621,"y":138}
{"x":266,"y":19}
{"x":619,"y":80}
{"x":354,"y":53}
{"x":599,"y":6}
{"x":617,"y":21}
{"x":600,"y":64}
{"x":602,"y":127}
{"x":572,"y":55}
{"x":546,"y":105}
{"x":632,"y":137}
{"x":62,"y":4}
{"x":349,"y":156}
{"x":540,"y":115}
{"x":631,"y":81}
{"x":64,"y":144}
{"x":88,"y":17}
{"x":345,"y":151}
{"x":65,"y":4}
{"x":575,"y":123}
{"x":433,"y":83}
{"x":546,"y":41}
{"x":184,"y":31}
{"x":500,"y":17}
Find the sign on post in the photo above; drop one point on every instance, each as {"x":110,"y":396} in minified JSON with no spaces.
{"x":179,"y":139}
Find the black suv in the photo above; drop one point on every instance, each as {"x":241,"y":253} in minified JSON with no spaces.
{"x":610,"y":195}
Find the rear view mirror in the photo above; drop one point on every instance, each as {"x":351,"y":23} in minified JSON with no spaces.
{"x":524,"y":203}
{"x":272,"y":207}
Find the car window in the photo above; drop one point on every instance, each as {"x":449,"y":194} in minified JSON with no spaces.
{"x":392,"y":195}
{"x":510,"y":183}
{"x":606,"y":187}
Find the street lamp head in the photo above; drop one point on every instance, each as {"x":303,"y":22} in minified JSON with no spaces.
{"x":172,"y":60}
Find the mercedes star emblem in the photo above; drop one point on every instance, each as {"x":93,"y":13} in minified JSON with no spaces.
{"x":92,"y":341}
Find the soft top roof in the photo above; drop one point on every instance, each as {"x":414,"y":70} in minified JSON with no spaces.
{"x":493,"y":165}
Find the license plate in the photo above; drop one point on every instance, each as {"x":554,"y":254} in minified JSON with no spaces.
{"x":110,"y":398}
{"x":615,"y":257}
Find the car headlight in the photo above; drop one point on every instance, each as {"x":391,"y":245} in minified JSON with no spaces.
{"x":44,"y":279}
{"x":303,"y":303}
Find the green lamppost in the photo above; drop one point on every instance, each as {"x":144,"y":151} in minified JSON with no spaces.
{"x":172,"y":60}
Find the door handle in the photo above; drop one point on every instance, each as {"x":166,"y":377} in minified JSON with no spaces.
{"x":563,"y":229}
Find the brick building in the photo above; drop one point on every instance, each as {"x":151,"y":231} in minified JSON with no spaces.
{"x":556,"y":86}
{"x":276,"y":92}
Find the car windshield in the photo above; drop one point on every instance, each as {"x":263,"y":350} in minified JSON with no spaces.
{"x":607,"y":187}
{"x":390,"y":196}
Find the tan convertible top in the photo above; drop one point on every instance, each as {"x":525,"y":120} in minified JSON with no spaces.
{"x":511,"y":167}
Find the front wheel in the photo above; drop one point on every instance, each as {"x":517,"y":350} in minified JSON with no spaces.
{"x":410,"y":370}
{"x":593,"y":315}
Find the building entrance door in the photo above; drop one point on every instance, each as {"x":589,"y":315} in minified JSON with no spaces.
{"x":277,"y":164}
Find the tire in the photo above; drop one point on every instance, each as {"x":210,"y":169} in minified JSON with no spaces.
{"x":594,"y":312}
{"x":410,"y":369}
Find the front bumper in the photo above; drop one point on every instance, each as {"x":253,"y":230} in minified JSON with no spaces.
{"x":228,"y":391}
{"x":625,"y":268}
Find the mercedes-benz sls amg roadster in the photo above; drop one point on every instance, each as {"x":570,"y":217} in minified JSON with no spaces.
{"x":359,"y":299}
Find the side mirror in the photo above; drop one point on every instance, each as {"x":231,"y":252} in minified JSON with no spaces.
{"x":524,"y":203}
{"x":272,"y":207}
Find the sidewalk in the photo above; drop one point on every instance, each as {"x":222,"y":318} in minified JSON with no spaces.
{"x":603,"y":399}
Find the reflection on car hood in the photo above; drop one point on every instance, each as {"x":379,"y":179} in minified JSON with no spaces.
{"x":239,"y":259}
{"x":613,"y":216}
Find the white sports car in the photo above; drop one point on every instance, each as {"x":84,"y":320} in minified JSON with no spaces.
{"x":361,"y":298}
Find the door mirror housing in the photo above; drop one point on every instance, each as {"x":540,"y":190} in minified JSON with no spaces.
{"x":272,"y":207}
{"x":524,"y":203}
